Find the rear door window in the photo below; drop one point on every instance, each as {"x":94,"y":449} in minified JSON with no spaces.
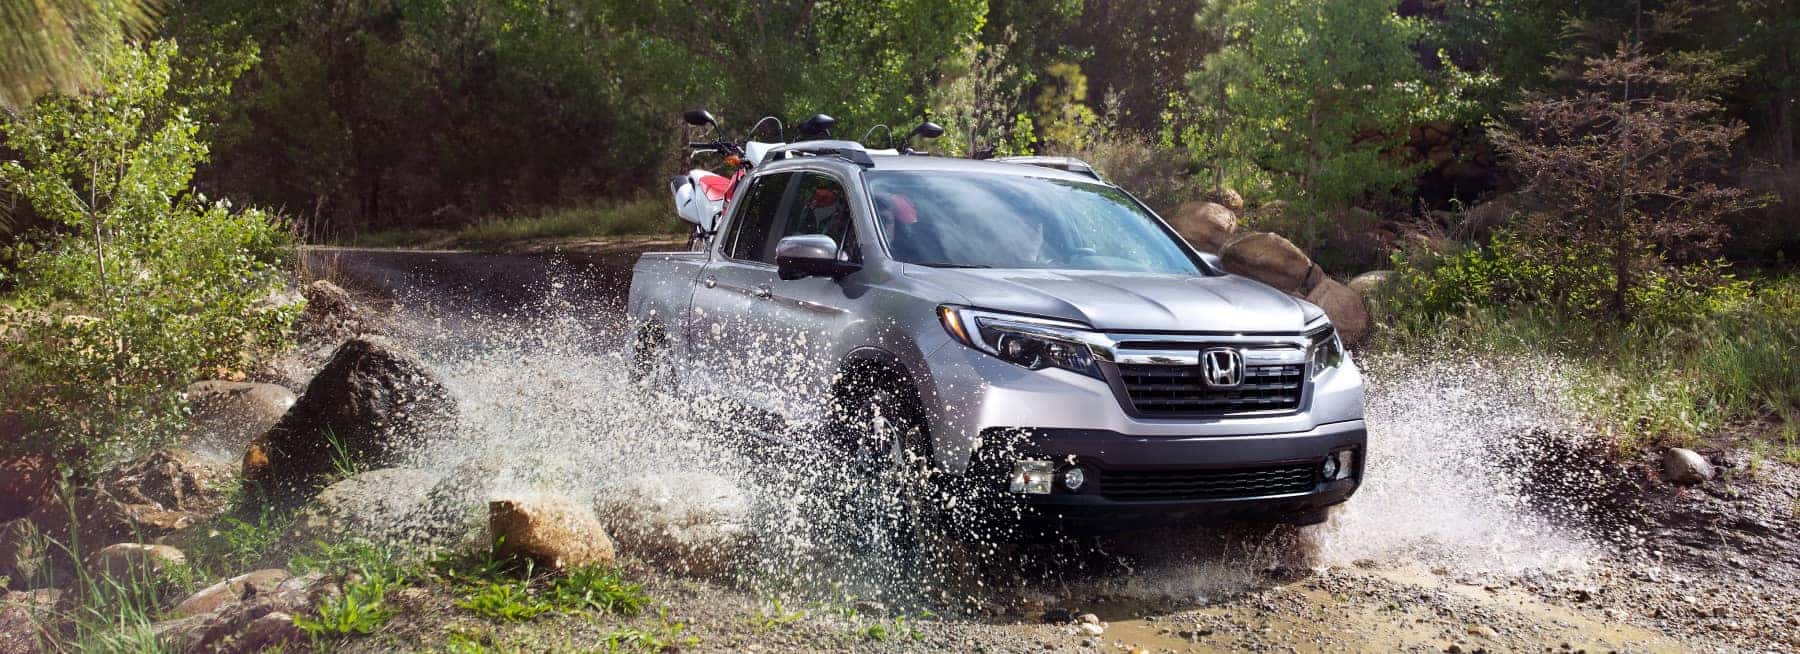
{"x":756,"y":219}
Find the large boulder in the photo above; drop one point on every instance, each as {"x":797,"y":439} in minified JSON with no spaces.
{"x":1345,"y":307}
{"x":1270,"y":259}
{"x":1227,"y":197}
{"x":1370,"y":282}
{"x":382,"y":506}
{"x":228,"y":414}
{"x":1480,"y":221}
{"x":693,"y":523}
{"x":1205,"y":225}
{"x":363,"y":410}
{"x":551,"y":531}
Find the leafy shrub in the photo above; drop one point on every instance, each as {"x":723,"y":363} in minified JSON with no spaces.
{"x":1722,"y":358}
{"x":1507,"y":272}
{"x":142,"y":285}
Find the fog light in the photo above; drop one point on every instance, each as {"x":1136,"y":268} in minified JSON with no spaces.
{"x":1073,"y":478}
{"x":1032,"y":477}
{"x":1329,"y":469}
{"x":1346,"y":463}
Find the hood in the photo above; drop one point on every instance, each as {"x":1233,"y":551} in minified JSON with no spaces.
{"x":1128,"y":301}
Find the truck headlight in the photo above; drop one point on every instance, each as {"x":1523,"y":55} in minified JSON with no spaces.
{"x":1033,"y":343}
{"x":1326,"y":351}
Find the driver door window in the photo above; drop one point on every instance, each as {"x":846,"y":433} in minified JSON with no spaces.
{"x":819,"y":206}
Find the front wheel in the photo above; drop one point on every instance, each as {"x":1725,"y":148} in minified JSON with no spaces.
{"x":651,"y":367}
{"x":881,"y":428}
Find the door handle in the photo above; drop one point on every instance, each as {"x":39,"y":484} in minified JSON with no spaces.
{"x":763,"y":291}
{"x":710,"y":282}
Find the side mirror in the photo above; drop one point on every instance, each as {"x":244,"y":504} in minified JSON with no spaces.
{"x":699,"y":118}
{"x":817,"y":125}
{"x":810,"y":255}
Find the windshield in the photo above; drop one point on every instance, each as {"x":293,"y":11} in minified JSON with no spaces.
{"x":965,"y":220}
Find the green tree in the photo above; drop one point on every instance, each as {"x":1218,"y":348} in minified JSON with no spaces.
{"x":1068,"y":122}
{"x":1314,"y":98}
{"x":1625,"y":168}
{"x":44,"y":43}
{"x":143,"y":285}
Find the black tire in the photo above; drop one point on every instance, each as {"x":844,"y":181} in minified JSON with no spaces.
{"x":880,"y":425}
{"x":650,"y":367}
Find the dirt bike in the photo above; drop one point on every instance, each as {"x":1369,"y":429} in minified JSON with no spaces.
{"x":701,"y":195}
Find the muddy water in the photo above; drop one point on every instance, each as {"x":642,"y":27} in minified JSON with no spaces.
{"x":530,"y":347}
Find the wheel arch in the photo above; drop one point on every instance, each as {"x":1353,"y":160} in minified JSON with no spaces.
{"x":874,"y":365}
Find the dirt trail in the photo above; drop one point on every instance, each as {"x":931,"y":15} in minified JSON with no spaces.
{"x":1428,"y":559}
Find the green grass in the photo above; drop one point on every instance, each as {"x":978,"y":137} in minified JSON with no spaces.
{"x":897,"y":629}
{"x":650,"y":216}
{"x":583,"y":589}
{"x":373,"y":572}
{"x":1669,"y":382}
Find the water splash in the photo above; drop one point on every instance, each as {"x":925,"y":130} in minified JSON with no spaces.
{"x":1444,"y":432}
{"x":548,"y":407}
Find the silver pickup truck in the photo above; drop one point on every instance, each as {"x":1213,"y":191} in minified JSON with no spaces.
{"x":1020,"y":327}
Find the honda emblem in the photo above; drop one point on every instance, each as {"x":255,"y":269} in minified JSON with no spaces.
{"x":1222,"y":367}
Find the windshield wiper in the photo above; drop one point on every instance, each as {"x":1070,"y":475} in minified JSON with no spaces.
{"x":946,"y":264}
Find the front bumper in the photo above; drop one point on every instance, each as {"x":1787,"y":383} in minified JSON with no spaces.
{"x":1159,"y":480}
{"x":968,"y":394}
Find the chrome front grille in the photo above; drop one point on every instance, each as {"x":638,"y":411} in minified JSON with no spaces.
{"x":1179,"y":390}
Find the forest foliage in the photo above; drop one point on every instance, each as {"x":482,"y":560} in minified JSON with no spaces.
{"x":1630,"y":161}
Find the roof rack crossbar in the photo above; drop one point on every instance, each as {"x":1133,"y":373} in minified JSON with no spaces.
{"x":1068,"y":164}
{"x":847,"y":150}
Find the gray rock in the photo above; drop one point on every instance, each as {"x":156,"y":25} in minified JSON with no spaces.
{"x":230,"y":591}
{"x":135,"y":560}
{"x":694,"y":523}
{"x":382,"y":506}
{"x":255,"y":624}
{"x":1685,"y":466}
{"x":364,"y":409}
{"x":227,"y":414}
{"x":1370,"y":282}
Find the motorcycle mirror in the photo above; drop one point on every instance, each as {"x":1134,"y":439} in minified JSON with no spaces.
{"x":817,"y":125}
{"x":928,"y":130}
{"x":699,"y":118}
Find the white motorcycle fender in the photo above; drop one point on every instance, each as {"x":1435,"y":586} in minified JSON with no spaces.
{"x":691,"y":202}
